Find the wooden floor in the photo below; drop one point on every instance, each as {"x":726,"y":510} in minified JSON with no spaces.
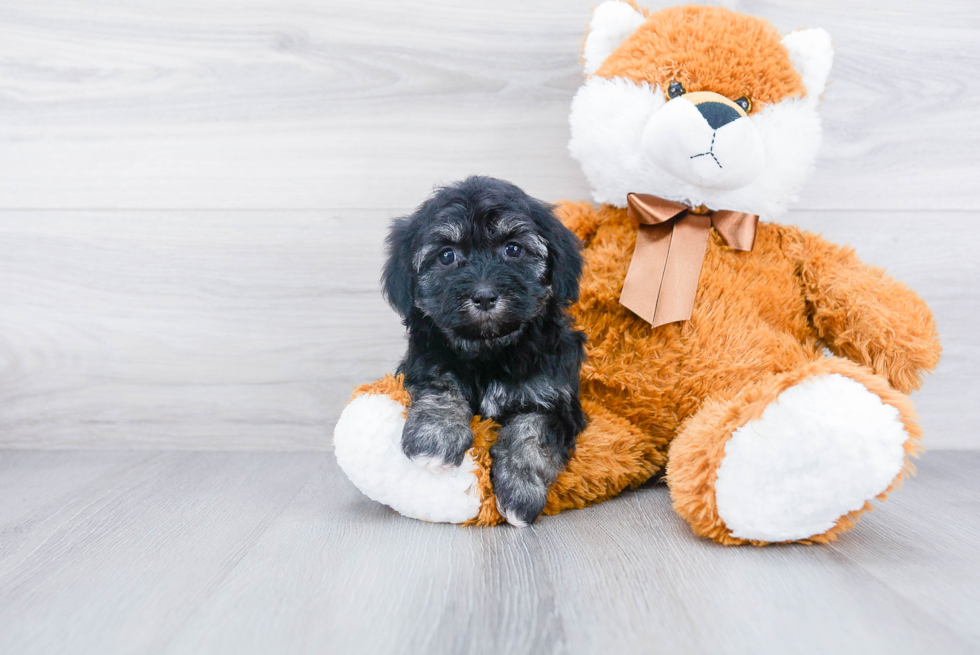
{"x":239,"y":553}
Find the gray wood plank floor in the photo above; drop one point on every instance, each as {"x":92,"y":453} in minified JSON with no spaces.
{"x":182,"y":552}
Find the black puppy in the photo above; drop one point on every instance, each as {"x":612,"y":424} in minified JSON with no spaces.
{"x":482,"y":274}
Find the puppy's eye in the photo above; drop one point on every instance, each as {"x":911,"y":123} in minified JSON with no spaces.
{"x":513,"y":250}
{"x":675,"y":89}
{"x":745,"y":103}
{"x":447,"y":256}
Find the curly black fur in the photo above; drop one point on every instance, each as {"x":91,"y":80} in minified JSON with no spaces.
{"x":488,"y":333}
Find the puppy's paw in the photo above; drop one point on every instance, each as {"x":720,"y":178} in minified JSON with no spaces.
{"x":435,"y":444}
{"x":519,"y":501}
{"x":524,"y":466}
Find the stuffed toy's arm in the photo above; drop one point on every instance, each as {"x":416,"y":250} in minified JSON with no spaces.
{"x":580,"y":217}
{"x":866,"y":316}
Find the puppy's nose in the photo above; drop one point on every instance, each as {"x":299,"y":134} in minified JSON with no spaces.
{"x":717,"y":114}
{"x":485,"y":298}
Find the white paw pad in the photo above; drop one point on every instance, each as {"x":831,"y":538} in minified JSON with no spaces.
{"x":821,"y":450}
{"x":367,"y":443}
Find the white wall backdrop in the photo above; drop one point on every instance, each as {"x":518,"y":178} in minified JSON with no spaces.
{"x":193,"y":194}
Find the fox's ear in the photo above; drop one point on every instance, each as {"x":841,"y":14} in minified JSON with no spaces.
{"x":612,"y":22}
{"x":812,"y":54}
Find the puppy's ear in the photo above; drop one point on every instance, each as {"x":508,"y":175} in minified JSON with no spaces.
{"x":564,"y":253}
{"x":397,"y":277}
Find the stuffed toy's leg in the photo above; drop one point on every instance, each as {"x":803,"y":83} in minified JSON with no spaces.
{"x":610,"y":455}
{"x":367,"y":443}
{"x":794,"y":457}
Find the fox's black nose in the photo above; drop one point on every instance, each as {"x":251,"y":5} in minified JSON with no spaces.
{"x":485,"y":298}
{"x":717,"y":114}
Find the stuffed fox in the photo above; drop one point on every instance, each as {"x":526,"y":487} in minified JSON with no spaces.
{"x":762,"y":370}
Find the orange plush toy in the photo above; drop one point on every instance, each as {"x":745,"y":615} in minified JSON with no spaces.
{"x":707,"y":329}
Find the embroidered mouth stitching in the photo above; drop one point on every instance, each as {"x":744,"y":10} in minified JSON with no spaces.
{"x":711,"y":151}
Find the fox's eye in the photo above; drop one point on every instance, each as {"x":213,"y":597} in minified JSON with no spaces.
{"x":675,"y":89}
{"x":745,"y":103}
{"x":447,"y":256}
{"x":513,"y":250}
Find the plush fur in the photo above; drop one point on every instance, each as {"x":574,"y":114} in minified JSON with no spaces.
{"x":482,"y":275}
{"x":856,"y":439}
{"x":628,"y":137}
{"x":740,"y":406}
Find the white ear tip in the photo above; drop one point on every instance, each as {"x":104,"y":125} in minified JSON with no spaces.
{"x":812,"y":54}
{"x":612,"y":22}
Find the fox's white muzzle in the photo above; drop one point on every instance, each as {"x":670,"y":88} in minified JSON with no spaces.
{"x":705,"y":139}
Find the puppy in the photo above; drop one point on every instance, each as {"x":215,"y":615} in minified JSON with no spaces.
{"x":482,"y":275}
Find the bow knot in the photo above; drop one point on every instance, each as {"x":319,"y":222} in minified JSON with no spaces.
{"x":662,"y":280}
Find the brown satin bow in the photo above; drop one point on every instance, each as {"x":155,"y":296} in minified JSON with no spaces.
{"x":662,"y":280}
